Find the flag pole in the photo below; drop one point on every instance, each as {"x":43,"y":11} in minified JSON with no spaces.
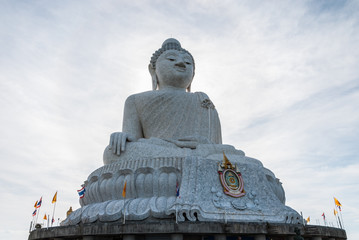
{"x":53,"y":215}
{"x":176,"y":214}
{"x":335,"y":216}
{"x":54,"y":199}
{"x":338,"y":205}
{"x":38,"y":213}
{"x":340,"y":223}
{"x":124,"y":203}
{"x":124,"y":211}
{"x":341,"y":216}
{"x":33,"y":222}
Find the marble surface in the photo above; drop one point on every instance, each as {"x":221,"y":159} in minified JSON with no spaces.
{"x":172,"y":137}
{"x":151,"y":188}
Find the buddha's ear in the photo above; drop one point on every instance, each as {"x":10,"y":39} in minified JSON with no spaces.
{"x":153,"y":76}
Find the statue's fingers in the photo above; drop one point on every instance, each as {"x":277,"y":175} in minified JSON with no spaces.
{"x":115,"y":143}
{"x":123,"y":142}
{"x":118,"y":144}
{"x":110,"y":144}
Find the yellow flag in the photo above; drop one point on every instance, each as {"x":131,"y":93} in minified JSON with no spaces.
{"x":35,"y":205}
{"x":54,"y":199}
{"x":337,"y":202}
{"x":308,"y":219}
{"x":124,"y":190}
{"x":45,"y":218}
{"x":335,"y":212}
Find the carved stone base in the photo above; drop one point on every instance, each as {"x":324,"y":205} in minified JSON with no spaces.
{"x":151,"y":191}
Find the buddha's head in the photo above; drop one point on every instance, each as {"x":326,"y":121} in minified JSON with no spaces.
{"x":172,"y":66}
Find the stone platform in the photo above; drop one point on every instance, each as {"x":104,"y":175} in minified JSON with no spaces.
{"x":141,"y":230}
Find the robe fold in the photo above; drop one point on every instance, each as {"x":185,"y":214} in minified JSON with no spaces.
{"x":175,"y":115}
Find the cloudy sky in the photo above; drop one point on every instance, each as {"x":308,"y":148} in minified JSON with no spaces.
{"x":283,"y":75}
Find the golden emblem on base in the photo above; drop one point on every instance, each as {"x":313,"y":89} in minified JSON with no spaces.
{"x":230,"y":178}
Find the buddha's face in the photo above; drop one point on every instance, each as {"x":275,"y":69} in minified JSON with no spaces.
{"x":174,"y":69}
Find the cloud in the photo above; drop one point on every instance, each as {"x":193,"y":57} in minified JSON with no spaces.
{"x":283,"y":77}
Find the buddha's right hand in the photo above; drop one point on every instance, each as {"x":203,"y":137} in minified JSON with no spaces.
{"x":118,"y":142}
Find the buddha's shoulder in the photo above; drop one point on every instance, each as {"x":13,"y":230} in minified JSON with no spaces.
{"x":137,"y":96}
{"x":157,"y":93}
{"x":150,"y":95}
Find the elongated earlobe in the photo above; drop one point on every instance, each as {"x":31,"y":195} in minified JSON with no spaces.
{"x":153,"y":76}
{"x":189,"y":88}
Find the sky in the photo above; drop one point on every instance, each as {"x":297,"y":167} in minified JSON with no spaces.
{"x":283,"y":76}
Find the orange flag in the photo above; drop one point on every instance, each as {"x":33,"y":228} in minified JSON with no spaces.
{"x":45,"y":218}
{"x":335,"y":212}
{"x":308,"y":219}
{"x":35,"y":205}
{"x":337,"y":202}
{"x":124,"y":190}
{"x":54,"y":199}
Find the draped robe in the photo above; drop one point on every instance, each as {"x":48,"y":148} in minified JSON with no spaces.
{"x":171,"y":115}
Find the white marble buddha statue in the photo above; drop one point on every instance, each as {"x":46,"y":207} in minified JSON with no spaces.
{"x":171,"y":139}
{"x":170,"y":111}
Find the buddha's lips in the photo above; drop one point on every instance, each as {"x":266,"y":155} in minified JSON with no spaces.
{"x":181,"y":69}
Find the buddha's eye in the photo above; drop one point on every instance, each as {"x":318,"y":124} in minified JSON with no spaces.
{"x":188,"y":63}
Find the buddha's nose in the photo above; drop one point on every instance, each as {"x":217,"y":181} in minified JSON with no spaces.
{"x":180,"y":64}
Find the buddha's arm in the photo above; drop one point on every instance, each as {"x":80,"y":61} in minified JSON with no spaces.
{"x":131,"y":122}
{"x":131,"y":128}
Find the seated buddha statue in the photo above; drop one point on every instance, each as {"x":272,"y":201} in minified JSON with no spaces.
{"x":171,"y":140}
{"x":170,"y":112}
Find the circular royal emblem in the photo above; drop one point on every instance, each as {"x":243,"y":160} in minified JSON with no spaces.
{"x":230,"y":178}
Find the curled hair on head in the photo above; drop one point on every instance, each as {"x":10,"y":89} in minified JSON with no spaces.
{"x":169,"y":44}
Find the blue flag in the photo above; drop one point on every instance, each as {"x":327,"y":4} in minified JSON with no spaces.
{"x":39,"y":203}
{"x":81,"y":192}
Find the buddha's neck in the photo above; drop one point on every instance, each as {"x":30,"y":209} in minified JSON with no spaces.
{"x":171,"y":88}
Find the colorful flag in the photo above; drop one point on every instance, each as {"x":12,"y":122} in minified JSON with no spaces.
{"x":323,"y":215}
{"x":124,"y":190}
{"x":177,"y":189}
{"x":81,"y":192}
{"x":39,"y":203}
{"x":45,"y":218}
{"x":34,"y":213}
{"x":335,"y":212}
{"x":53,"y":220}
{"x":337,"y":202}
{"x":54,"y":199}
{"x":35,"y":205}
{"x":308,"y":219}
